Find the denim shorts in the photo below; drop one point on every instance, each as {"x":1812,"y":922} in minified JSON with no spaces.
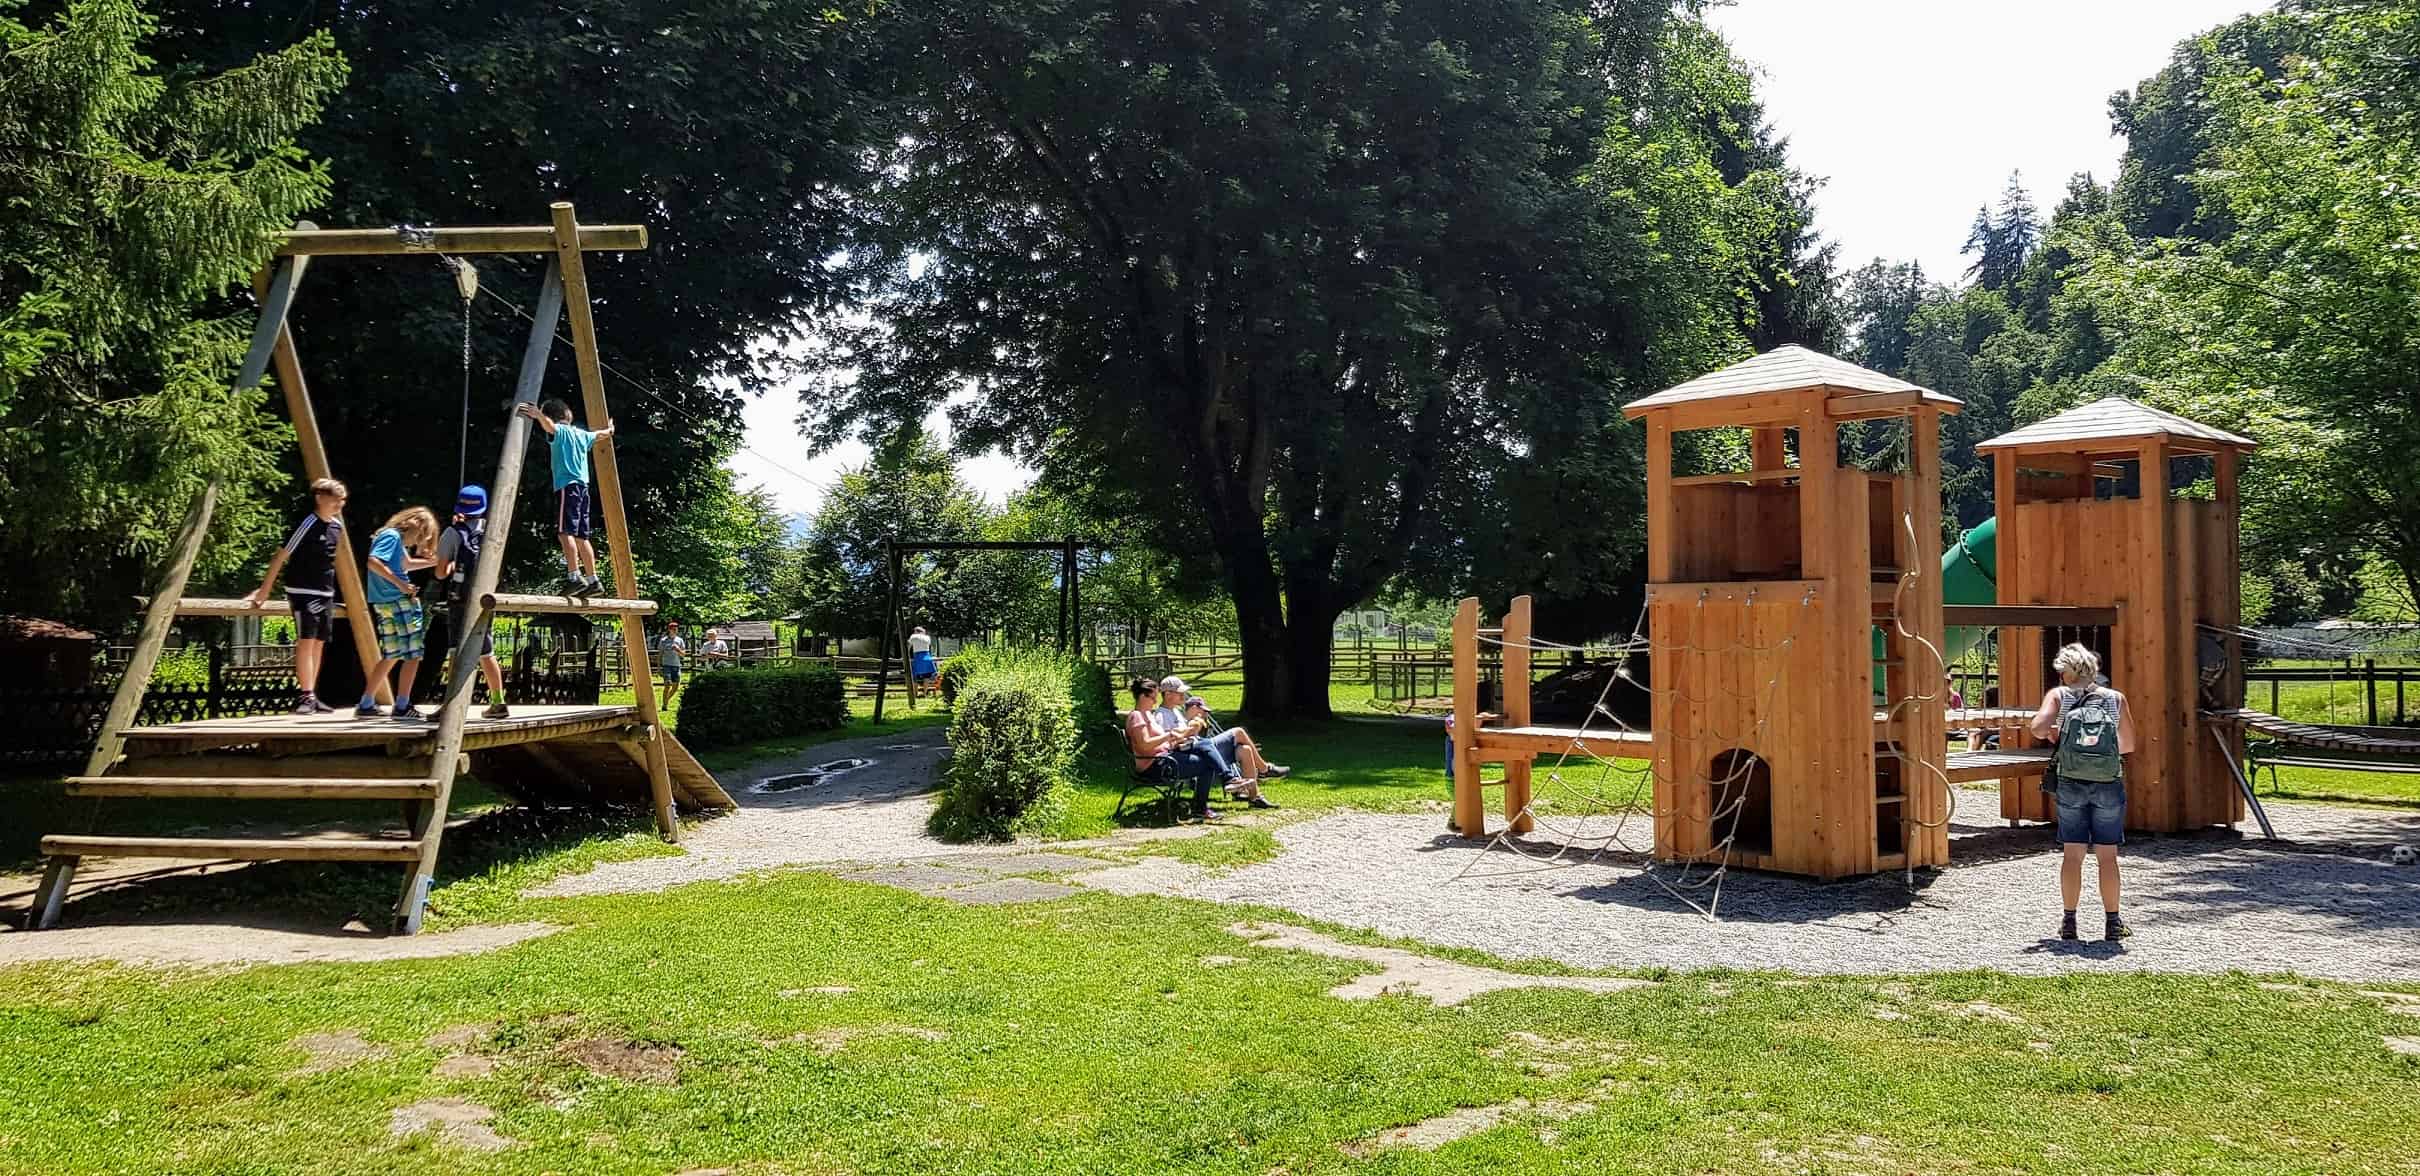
{"x":2092,"y":812}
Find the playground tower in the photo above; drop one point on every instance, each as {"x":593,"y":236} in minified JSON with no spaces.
{"x":1773,"y":748}
{"x":2116,"y":503}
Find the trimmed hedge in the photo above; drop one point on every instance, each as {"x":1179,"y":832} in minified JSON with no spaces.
{"x":734,"y":706}
{"x":1018,"y":721}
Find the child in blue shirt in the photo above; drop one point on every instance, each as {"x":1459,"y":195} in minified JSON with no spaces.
{"x":399,"y":549}
{"x":570,"y":445}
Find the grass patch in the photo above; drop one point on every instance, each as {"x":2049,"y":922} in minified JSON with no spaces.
{"x":2332,"y":784}
{"x":1086,"y":1035}
{"x":1379,"y":766}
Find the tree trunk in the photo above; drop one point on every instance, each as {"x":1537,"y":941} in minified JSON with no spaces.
{"x":1310,"y":641}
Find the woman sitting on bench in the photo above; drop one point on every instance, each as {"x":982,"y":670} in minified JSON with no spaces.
{"x":1160,"y":754}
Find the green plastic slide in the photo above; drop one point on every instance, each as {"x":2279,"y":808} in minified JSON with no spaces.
{"x":1969,"y":575}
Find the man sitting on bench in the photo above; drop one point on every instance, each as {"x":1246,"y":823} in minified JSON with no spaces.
{"x":1164,"y":755}
{"x":1179,"y":712}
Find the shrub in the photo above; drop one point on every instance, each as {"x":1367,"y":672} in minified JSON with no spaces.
{"x":773,"y":698}
{"x":1014,"y":735}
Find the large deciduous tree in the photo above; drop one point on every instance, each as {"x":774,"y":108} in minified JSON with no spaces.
{"x":131,"y":202}
{"x":1355,"y":290}
{"x":2301,"y":323}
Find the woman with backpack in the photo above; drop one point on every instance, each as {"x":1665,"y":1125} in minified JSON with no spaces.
{"x":2095,"y":732}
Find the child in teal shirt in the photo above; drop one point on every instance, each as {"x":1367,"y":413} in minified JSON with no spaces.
{"x":399,"y":549}
{"x":570,"y":444}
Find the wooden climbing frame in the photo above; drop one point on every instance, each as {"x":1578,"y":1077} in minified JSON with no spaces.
{"x":593,"y":752}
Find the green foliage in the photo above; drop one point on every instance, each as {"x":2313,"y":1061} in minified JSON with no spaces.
{"x":1313,"y":295}
{"x":2300,"y":323}
{"x":908,"y":491}
{"x":132,"y":203}
{"x":1015,"y":731}
{"x":728,"y":127}
{"x":763,"y":701}
{"x":720,"y":559}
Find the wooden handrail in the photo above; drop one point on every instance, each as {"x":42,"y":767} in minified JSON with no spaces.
{"x":530,"y":602}
{"x":471,"y":239}
{"x":2045,"y":616}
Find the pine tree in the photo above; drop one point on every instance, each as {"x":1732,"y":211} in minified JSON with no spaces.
{"x":132,"y":205}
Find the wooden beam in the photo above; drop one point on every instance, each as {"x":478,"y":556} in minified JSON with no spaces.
{"x":1470,"y":807}
{"x":274,"y":303}
{"x":2047,"y":616}
{"x":157,"y":620}
{"x":1862,"y":405}
{"x":219,"y":606}
{"x":250,"y":788}
{"x":504,"y":495}
{"x":1740,"y":476}
{"x":296,"y":849}
{"x":314,"y":451}
{"x":1516,"y":712}
{"x":1734,"y":591}
{"x":609,"y":501}
{"x":520,"y":602}
{"x":469,"y":239}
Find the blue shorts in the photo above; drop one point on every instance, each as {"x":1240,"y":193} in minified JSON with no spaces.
{"x":571,"y":510}
{"x":2092,"y":812}
{"x":672,"y":674}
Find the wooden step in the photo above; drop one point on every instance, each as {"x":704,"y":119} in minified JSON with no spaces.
{"x":301,"y":767}
{"x":251,"y":787}
{"x":292,"y":849}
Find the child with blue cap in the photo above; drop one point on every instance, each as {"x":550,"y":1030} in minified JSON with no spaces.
{"x":457,"y":554}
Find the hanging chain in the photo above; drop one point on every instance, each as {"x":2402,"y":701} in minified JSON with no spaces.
{"x":462,"y":464}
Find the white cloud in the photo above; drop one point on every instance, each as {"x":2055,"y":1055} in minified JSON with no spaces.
{"x":1917,"y":110}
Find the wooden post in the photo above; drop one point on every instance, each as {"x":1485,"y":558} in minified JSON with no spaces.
{"x":2153,"y":800}
{"x":1665,"y":652}
{"x":158,"y":618}
{"x":1927,"y":790}
{"x":314,"y":453}
{"x":1470,"y":808}
{"x":609,"y":502}
{"x":1516,"y":712}
{"x":427,"y":821}
{"x":1075,"y":597}
{"x":1766,"y":447}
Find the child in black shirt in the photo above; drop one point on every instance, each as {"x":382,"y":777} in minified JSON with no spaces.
{"x":309,"y":561}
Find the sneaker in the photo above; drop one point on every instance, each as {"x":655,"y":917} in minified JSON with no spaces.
{"x":496,"y":710}
{"x":1275,"y":771}
{"x":588,"y":587}
{"x":596,"y":586}
{"x":318,"y":707}
{"x":367,"y":710}
{"x":304,"y":707}
{"x":404,"y":713}
{"x":2067,"y":927}
{"x":2117,"y":929}
{"x":1262,"y":802}
{"x":570,"y":586}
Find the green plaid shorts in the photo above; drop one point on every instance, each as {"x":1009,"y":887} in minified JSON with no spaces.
{"x":401,"y":626}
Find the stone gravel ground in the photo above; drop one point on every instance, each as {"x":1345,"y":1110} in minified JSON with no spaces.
{"x":2324,"y":902}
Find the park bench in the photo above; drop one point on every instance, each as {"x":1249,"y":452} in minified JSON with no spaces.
{"x":1170,"y":789}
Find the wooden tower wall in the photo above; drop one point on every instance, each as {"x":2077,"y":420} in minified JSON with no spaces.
{"x":2168,"y":564}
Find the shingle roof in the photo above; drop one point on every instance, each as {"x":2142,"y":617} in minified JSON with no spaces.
{"x":1789,"y":368}
{"x":37,"y":629}
{"x":2113,"y":419}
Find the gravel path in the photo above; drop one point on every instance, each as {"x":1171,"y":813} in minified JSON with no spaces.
{"x":2325,"y":903}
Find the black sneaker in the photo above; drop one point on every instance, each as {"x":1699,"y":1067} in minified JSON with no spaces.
{"x":496,"y":710}
{"x":2067,"y":927}
{"x":2117,"y":929}
{"x":571,"y":586}
{"x":404,"y":713}
{"x":367,"y":710}
{"x":1262,"y":802}
{"x":594,"y":587}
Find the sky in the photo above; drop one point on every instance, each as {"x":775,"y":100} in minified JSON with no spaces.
{"x":1913,"y":112}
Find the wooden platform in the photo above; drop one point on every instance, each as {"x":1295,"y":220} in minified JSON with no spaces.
{"x":1965,"y":767}
{"x":341,"y":731}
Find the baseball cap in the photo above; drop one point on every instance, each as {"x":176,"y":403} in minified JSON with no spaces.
{"x":1172,"y":682}
{"x":472,"y":502}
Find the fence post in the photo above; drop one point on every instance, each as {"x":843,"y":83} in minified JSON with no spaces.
{"x":2369,"y":683}
{"x":214,"y":694}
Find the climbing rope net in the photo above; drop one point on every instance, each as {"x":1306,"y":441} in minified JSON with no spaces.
{"x":1585,"y":800}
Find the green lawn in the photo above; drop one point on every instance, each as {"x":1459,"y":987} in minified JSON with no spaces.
{"x":1087,"y":1036}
